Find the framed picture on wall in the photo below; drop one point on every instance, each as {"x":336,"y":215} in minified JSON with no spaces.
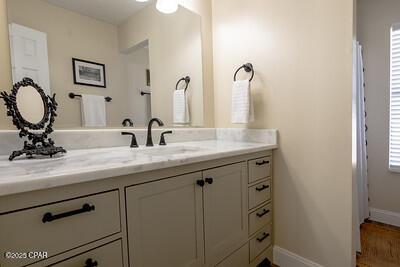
{"x":89,"y":73}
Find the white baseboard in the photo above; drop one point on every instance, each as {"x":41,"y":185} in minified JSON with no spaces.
{"x":385,"y":216}
{"x":285,"y":258}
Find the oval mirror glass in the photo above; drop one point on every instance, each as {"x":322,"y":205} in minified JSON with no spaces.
{"x":30,"y":104}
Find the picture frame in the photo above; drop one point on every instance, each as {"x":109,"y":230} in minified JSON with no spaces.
{"x":89,"y":73}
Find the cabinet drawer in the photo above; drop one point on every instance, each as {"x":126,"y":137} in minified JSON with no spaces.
{"x":107,"y":255}
{"x":259,"y":193}
{"x":260,"y":242}
{"x":259,"y":169}
{"x":263,"y":258}
{"x":260,"y":218}
{"x":57,"y":227}
{"x":239,"y":258}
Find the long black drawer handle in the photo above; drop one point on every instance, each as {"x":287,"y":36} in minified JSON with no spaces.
{"x":49,"y":217}
{"x":261,"y":239}
{"x":262,"y":188}
{"x":262,"y":213}
{"x":258,"y":163}
{"x":91,"y":263}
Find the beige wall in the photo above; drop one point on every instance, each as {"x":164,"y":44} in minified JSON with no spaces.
{"x":175,"y":50}
{"x":5,"y":69}
{"x":374,"y":21}
{"x":69,"y":35}
{"x":302,"y":54}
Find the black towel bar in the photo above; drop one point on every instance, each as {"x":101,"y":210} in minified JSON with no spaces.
{"x":248,"y":67}
{"x":72,"y":96}
{"x":187,"y":81}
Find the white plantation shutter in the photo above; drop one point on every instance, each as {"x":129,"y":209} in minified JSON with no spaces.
{"x":394,"y":139}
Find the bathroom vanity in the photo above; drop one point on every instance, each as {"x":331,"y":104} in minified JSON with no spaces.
{"x":204,"y":203}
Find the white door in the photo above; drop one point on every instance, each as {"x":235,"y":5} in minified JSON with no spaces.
{"x":29,"y":56}
{"x":225,"y":211}
{"x":165,"y":223}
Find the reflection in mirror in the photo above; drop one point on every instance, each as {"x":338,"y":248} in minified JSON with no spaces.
{"x":126,"y":50}
{"x":30,"y":104}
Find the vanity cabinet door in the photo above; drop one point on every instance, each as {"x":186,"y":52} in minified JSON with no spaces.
{"x":165,"y":223}
{"x":225,"y":211}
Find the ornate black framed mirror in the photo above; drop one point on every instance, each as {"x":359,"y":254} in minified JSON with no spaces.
{"x":33,"y":113}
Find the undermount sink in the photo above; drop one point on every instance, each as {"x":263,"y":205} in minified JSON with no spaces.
{"x":173,"y":150}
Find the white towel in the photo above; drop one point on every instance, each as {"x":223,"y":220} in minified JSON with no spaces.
{"x":93,"y":111}
{"x":242,"y":106}
{"x":181,"y":107}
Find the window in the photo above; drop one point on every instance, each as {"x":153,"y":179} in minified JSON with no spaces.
{"x":394,"y":138}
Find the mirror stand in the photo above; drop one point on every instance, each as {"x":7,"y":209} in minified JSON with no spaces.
{"x":45,"y":148}
{"x":38,"y":142}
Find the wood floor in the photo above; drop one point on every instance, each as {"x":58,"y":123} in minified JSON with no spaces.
{"x":380,"y":245}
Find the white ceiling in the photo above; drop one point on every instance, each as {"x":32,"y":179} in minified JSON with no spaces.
{"x":110,"y":11}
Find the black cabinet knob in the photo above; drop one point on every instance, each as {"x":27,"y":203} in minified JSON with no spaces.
{"x":262,"y":188}
{"x":260,"y":163}
{"x":260,"y":215}
{"x":200,"y":183}
{"x":91,"y":263}
{"x":264,"y":236}
{"x":209,"y":180}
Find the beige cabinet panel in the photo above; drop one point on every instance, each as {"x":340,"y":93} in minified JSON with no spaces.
{"x":165,"y":223}
{"x":225,"y":211}
{"x":240,"y":258}
{"x":66,"y":226}
{"x":108,"y":255}
{"x":259,"y":169}
{"x":259,"y":193}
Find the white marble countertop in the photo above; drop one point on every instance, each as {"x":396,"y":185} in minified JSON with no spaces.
{"x":78,"y":166}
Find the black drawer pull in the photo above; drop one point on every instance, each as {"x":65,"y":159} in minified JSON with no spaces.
{"x":91,"y":263}
{"x":209,"y":180}
{"x":200,"y":183}
{"x":49,"y":217}
{"x":262,"y":188}
{"x":262,"y":213}
{"x":261,"y":239}
{"x":259,"y":163}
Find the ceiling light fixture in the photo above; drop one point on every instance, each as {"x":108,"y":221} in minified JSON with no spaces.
{"x":167,"y":6}
{"x":142,"y":1}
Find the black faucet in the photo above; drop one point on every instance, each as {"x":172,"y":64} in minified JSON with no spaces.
{"x":162,"y":138}
{"x":150,"y":125}
{"x":127,"y":122}
{"x":133,"y":141}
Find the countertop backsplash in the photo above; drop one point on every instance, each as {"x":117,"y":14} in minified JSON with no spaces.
{"x":103,"y":138}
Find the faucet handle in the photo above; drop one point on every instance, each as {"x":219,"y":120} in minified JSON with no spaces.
{"x":127,"y":122}
{"x":133,"y":141}
{"x":162,"y":139}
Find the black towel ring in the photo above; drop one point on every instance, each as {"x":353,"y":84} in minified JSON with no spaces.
{"x":248,"y":68}
{"x":187,"y":81}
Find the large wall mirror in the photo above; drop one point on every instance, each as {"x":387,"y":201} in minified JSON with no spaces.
{"x":122,"y":51}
